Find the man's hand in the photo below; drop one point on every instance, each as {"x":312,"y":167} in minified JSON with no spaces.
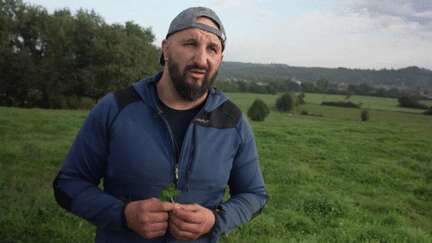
{"x":190,"y":221}
{"x":148,"y":218}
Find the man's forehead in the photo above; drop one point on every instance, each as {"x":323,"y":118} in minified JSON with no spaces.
{"x":195,"y":33}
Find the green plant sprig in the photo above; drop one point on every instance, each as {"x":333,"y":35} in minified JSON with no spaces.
{"x":169,"y":193}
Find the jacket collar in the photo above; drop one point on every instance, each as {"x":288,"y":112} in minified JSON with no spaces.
{"x":146,"y":89}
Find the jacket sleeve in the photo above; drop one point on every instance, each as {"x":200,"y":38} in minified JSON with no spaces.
{"x":76,"y":185}
{"x":246,"y":184}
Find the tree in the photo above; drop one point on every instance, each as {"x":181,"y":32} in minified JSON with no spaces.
{"x":322,"y":84}
{"x":308,"y":86}
{"x":58,"y":60}
{"x":364,"y":115}
{"x":300,"y":99}
{"x":258,"y":111}
{"x":285,"y":103}
{"x":411,"y":102}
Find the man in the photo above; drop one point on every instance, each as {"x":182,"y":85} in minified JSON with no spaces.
{"x":170,"y":128}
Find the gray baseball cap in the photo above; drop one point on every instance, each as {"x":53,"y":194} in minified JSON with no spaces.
{"x":188,"y":19}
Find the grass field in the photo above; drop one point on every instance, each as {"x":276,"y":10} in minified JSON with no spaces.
{"x":331,"y":178}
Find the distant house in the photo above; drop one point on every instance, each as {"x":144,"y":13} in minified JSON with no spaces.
{"x":299,"y":82}
{"x":332,"y":86}
{"x":262,"y":84}
{"x":427,"y":93}
{"x":342,"y":86}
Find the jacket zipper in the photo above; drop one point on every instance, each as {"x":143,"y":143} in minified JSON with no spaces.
{"x":188,"y":166}
{"x":176,"y":149}
{"x":176,"y":152}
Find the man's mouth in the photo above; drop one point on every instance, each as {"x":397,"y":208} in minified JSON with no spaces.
{"x":197,"y":73}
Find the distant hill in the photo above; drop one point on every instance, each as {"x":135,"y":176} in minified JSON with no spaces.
{"x":410,"y":77}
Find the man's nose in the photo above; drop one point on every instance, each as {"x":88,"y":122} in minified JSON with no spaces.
{"x":200,"y":58}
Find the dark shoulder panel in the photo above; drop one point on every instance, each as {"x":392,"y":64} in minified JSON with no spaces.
{"x":126,"y":96}
{"x":226,"y":115}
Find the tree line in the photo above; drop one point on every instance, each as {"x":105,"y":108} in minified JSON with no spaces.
{"x":269,"y":86}
{"x":409,"y":77}
{"x":67,"y":60}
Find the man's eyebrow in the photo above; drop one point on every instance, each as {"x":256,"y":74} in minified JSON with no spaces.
{"x":187,"y":39}
{"x":195,"y":39}
{"x":215,"y":44}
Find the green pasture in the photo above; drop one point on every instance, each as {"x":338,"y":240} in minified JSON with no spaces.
{"x":367,"y":102}
{"x":330,"y":177}
{"x":376,"y":103}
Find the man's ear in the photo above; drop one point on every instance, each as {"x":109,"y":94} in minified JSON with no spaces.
{"x":165,"y":49}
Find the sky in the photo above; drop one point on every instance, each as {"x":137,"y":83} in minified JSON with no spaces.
{"x":366,"y":34}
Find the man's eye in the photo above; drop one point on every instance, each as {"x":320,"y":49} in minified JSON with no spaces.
{"x":189,"y":44}
{"x":213,"y":49}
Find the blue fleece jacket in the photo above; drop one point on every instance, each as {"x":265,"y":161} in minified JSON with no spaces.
{"x":131,"y":147}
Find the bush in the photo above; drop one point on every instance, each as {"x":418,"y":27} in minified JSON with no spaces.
{"x":428,"y":111}
{"x":285,"y":103}
{"x":57,"y":102}
{"x":364,"y":115}
{"x":72,"y":102}
{"x":347,"y":104}
{"x":86,"y":103}
{"x":258,"y":111}
{"x":307,"y":113}
{"x":300,"y":99}
{"x":410,"y":102}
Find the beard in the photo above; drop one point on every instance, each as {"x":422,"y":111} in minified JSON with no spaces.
{"x":189,"y":91}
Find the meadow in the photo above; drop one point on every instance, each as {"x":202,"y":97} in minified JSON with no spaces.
{"x":331,"y":178}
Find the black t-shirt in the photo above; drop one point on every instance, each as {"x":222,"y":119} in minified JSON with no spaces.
{"x":179,"y":120}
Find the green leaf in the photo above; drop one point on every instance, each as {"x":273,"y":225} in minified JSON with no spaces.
{"x":169,"y":193}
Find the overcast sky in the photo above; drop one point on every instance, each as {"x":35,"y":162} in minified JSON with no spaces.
{"x":325,"y":33}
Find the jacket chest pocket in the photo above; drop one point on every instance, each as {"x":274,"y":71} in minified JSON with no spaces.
{"x":211,"y":166}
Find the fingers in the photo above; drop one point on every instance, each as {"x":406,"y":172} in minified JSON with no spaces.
{"x":152,"y":217}
{"x":149,"y":217}
{"x":155,"y":205}
{"x":155,"y":227}
{"x":188,"y":207}
{"x":181,"y":234}
{"x":188,"y":213}
{"x":187,"y":222}
{"x":150,"y":230}
{"x":185,"y":226}
{"x":190,"y":221}
{"x":190,"y":217}
{"x":167,"y":206}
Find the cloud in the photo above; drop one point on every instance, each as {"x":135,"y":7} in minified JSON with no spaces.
{"x":257,"y":8}
{"x":350,"y":33}
{"x":411,"y":10}
{"x":403,"y":16}
{"x":349,"y":36}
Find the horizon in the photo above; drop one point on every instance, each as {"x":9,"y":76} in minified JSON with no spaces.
{"x":353,"y":34}
{"x":350,"y":68}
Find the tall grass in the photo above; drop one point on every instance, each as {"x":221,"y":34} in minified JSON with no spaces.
{"x":330,"y":179}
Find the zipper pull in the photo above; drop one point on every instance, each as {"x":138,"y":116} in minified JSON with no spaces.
{"x":176,"y":172}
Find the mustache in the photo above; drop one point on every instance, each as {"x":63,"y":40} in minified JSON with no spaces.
{"x":196,"y":67}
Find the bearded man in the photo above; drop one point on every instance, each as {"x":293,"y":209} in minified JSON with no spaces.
{"x":170,"y":129}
